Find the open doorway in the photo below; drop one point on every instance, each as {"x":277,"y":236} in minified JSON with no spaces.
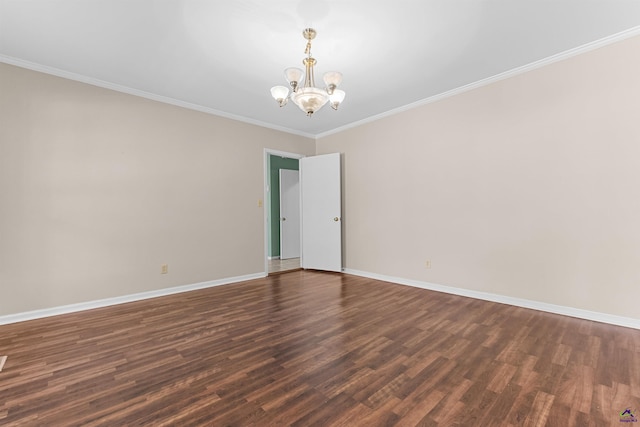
{"x":282,"y":210}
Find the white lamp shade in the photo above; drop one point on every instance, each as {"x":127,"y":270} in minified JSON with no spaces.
{"x":310,"y":99}
{"x":332,"y":78}
{"x":294,"y":75}
{"x":337,"y":96}
{"x":279,"y":92}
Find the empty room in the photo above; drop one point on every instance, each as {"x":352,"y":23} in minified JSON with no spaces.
{"x":319,"y":213}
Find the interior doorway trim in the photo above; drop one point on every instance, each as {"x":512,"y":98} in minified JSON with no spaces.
{"x":265,"y":222}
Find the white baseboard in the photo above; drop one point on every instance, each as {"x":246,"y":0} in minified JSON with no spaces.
{"x":273,"y":257}
{"x":503,"y":299}
{"x":518,"y":302}
{"x":72,"y":308}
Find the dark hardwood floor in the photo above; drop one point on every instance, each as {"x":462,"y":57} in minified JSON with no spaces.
{"x":317,"y":349}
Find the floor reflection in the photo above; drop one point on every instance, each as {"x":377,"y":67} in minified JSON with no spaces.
{"x":277,"y":265}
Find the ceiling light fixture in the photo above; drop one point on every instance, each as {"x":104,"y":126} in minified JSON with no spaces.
{"x":307,"y":96}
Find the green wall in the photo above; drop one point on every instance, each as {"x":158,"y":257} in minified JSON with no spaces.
{"x":275,"y":163}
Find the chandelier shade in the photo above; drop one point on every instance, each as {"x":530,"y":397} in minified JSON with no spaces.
{"x":310,"y":99}
{"x":336,"y":98}
{"x":332,"y":79}
{"x":294,"y":76}
{"x":304,"y":92}
{"x":280,"y":94}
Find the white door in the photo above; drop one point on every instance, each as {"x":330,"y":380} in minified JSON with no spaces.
{"x":289,"y":214}
{"x":321,"y":212}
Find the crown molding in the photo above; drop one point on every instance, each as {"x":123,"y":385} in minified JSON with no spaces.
{"x":493,"y":79}
{"x":140,"y":93}
{"x":631,"y":32}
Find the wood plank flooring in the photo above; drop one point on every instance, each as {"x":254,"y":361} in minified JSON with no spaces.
{"x":317,"y":349}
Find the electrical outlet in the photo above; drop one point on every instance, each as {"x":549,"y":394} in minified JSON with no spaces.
{"x":427,"y":264}
{"x":164,"y":269}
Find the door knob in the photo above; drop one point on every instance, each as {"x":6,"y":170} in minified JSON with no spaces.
{"x":284,"y":219}
{"x":336,"y":219}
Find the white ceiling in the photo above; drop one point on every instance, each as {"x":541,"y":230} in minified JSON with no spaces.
{"x":224,"y":56}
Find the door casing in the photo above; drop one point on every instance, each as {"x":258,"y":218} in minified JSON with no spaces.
{"x":267,"y":153}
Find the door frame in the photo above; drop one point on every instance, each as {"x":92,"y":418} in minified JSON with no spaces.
{"x":267,"y":153}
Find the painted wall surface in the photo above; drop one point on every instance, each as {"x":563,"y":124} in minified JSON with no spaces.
{"x":275,"y":164}
{"x":528,"y":187}
{"x":99,"y":188}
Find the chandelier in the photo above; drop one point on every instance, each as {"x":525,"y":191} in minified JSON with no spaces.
{"x":304,"y":92}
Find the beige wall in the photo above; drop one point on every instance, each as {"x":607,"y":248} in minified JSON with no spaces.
{"x":525,"y":188}
{"x":99,"y":188}
{"x":528,"y":187}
